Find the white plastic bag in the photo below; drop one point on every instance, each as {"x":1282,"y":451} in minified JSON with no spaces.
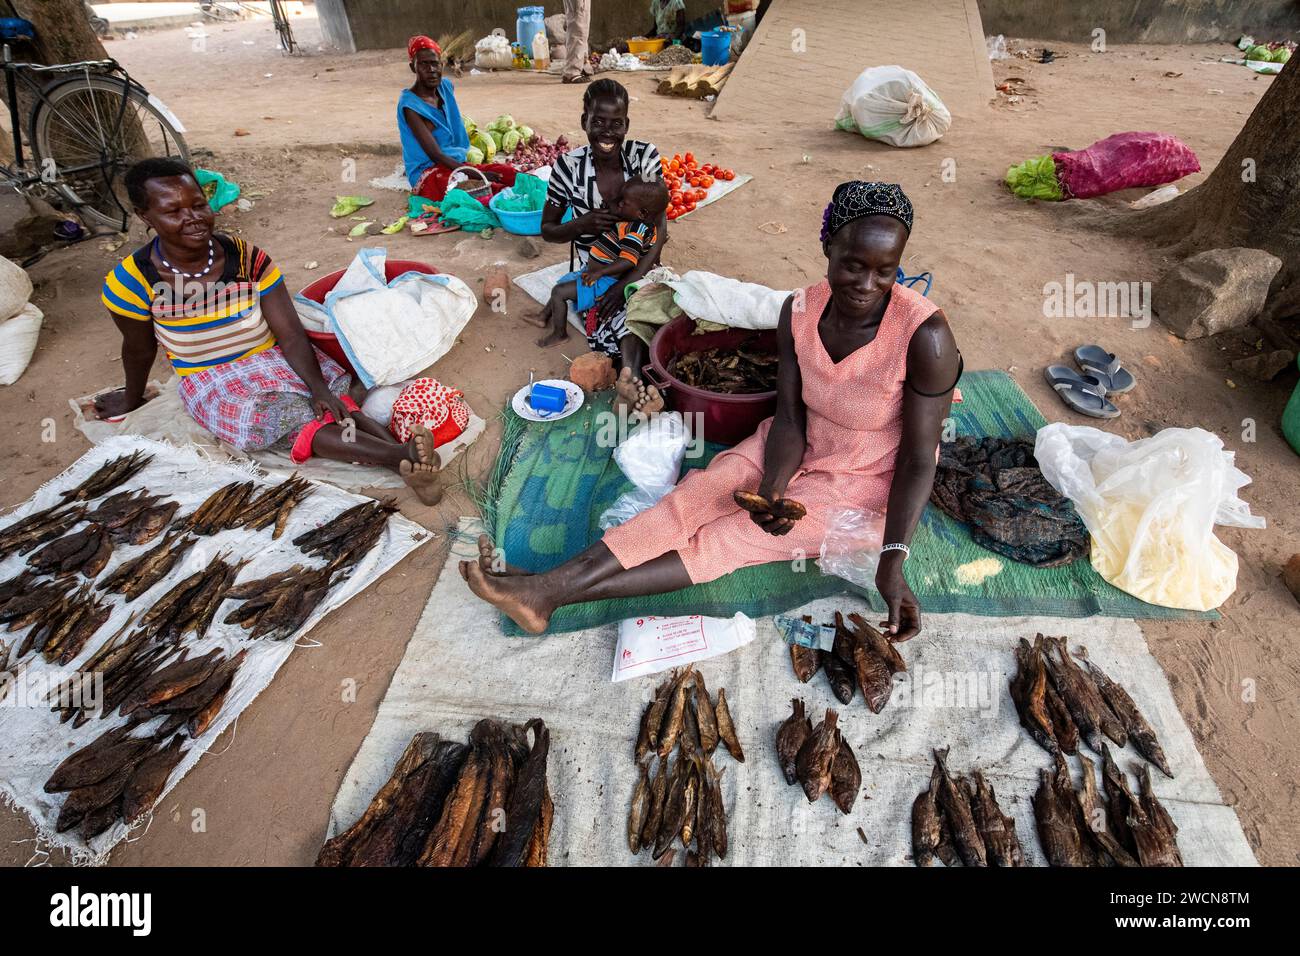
{"x":15,"y":288}
{"x":851,"y":548}
{"x":493,"y":53}
{"x":997,"y":47}
{"x":379,"y":402}
{"x":895,"y":106}
{"x":651,"y":457}
{"x":647,"y":645}
{"x":18,"y":337}
{"x":1151,"y":507}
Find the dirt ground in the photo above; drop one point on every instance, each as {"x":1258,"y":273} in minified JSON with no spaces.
{"x":268,"y":784}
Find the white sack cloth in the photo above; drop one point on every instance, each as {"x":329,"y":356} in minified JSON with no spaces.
{"x":893,"y":105}
{"x":18,"y":336}
{"x":458,"y":669}
{"x":392,"y":331}
{"x":1151,"y":507}
{"x":33,"y":742}
{"x":729,"y":302}
{"x":15,"y":288}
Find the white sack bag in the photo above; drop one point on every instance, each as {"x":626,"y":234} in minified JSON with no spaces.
{"x":15,"y":288}
{"x":893,"y":105}
{"x":18,"y":337}
{"x":493,"y":53}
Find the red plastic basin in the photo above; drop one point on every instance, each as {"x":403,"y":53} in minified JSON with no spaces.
{"x":725,"y":419}
{"x":328,"y":342}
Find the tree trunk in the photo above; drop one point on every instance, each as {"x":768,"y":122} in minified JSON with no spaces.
{"x":1252,"y":198}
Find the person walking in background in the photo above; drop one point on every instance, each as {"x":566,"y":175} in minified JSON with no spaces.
{"x":577,"y":24}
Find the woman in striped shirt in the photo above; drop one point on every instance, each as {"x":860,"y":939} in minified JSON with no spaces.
{"x":580,"y":179}
{"x":247,"y":371}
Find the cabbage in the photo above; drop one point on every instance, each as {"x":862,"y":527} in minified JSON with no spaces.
{"x":496,"y":137}
{"x":474,"y":156}
{"x":503,"y":122}
{"x":510,"y":140}
{"x":470,"y":126}
{"x":525,"y":132}
{"x":347,"y":205}
{"x":360,"y":228}
{"x":485,"y":144}
{"x":1281,"y":55}
{"x":1259,"y":53}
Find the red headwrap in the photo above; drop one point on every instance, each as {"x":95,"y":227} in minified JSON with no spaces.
{"x":416,"y":44}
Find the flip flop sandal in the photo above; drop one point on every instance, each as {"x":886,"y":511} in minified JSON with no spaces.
{"x":1104,"y":367}
{"x":1082,"y":393}
{"x":431,"y":224}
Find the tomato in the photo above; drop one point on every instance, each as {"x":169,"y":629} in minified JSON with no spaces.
{"x":672,"y":213}
{"x":690,"y":157}
{"x":690,"y":205}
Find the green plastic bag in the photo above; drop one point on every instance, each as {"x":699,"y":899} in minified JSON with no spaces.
{"x":224,"y":193}
{"x":464,"y":210}
{"x":1035,"y":179}
{"x":528,"y":194}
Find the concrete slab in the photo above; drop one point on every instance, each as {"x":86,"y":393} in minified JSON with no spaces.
{"x":806,"y":53}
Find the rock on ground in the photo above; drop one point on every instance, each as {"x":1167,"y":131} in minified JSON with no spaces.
{"x":1266,"y":366}
{"x":592,"y":372}
{"x":1214,"y":290}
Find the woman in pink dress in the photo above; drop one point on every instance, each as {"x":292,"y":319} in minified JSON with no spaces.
{"x":866,"y":378}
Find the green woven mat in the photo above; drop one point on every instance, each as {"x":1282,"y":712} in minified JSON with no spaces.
{"x":563,"y":476}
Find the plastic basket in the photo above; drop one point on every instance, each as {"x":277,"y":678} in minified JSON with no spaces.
{"x":646,"y":46}
{"x":519,"y":223}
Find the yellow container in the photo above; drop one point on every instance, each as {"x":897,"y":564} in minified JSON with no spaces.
{"x":646,"y":46}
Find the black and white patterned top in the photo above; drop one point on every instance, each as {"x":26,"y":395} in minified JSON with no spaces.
{"x":573,"y":180}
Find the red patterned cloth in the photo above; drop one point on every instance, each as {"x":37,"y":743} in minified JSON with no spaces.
{"x":433,"y":181}
{"x":253,"y":402}
{"x":416,"y":44}
{"x":428,"y":402}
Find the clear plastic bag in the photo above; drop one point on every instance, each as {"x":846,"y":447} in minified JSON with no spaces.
{"x":651,"y":457}
{"x":1151,"y":507}
{"x":851,"y":548}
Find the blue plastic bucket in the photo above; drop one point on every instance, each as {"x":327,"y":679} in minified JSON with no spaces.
{"x":519,"y":223}
{"x":715,"y":48}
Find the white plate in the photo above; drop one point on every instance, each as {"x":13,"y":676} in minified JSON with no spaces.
{"x":574,"y":402}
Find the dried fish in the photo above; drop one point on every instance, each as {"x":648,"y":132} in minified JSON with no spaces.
{"x":996,"y":829}
{"x":927,"y":828}
{"x":85,"y":800}
{"x":1094,"y":818}
{"x":658,"y":707}
{"x":846,"y":777}
{"x":1054,"y":817}
{"x":537,"y":850}
{"x":706,"y":715}
{"x":523,"y":810}
{"x":839,"y":674}
{"x":640,"y":810}
{"x":148,"y":524}
{"x":690,"y":800}
{"x":108,"y":477}
{"x":171,"y":681}
{"x":872,"y":671}
{"x":98,"y":760}
{"x":149,"y":779}
{"x":37,"y":528}
{"x":138,"y":575}
{"x":727,"y":727}
{"x":1140,"y":732}
{"x":790,"y":737}
{"x":733,"y":371}
{"x":675,"y":806}
{"x":460,"y":813}
{"x":1029,"y":693}
{"x":806,"y":662}
{"x":961,"y":819}
{"x":658,"y":802}
{"x":813,"y":763}
{"x":675,"y":715}
{"x":1092,"y":715}
{"x":1154,"y":830}
{"x":642,"y":749}
{"x":883,"y":647}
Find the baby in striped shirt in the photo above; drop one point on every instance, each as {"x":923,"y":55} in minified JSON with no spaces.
{"x":616,"y":252}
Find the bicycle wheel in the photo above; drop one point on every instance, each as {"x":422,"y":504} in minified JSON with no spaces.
{"x":77,"y":126}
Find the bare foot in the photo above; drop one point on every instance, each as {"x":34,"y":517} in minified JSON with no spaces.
{"x":422,"y":446}
{"x":648,"y":400}
{"x":537,"y":317}
{"x":518,"y":598}
{"x":625,"y":392}
{"x":554,"y":337}
{"x":492,"y":563}
{"x":423,"y":480}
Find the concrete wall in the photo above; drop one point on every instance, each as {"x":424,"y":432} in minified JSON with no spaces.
{"x":1143,"y":21}
{"x":384,"y":24}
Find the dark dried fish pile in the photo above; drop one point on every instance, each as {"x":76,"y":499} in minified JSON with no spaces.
{"x":24,"y":601}
{"x":738,"y":371}
{"x":240,"y":505}
{"x":1079,"y":828}
{"x":862,"y":657}
{"x":1060,"y":703}
{"x":132,"y":578}
{"x":36,"y":529}
{"x":191,"y":604}
{"x":108,"y":477}
{"x":958,"y":820}
{"x":347,"y":538}
{"x":818,"y":758}
{"x":451,"y":804}
{"x":86,"y":551}
{"x":62,"y":628}
{"x":117,"y":777}
{"x":685,"y":802}
{"x":277,"y":605}
{"x":133,"y":517}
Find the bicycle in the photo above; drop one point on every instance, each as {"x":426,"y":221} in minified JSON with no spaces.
{"x":85,"y":127}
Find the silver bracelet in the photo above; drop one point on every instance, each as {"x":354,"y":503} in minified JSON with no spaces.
{"x":897,"y":546}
